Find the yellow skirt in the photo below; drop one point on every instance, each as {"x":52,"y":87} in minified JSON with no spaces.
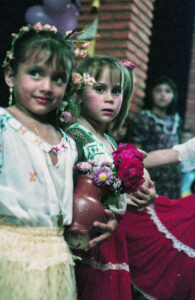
{"x":35,"y":264}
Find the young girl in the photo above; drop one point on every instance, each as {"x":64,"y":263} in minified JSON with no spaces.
{"x":157,"y":127}
{"x":36,"y":162}
{"x":103,"y":272}
{"x":159,"y":248}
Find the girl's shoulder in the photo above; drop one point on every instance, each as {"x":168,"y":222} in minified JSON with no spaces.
{"x":4,"y":117}
{"x":111,"y":139}
{"x":3,"y":113}
{"x":143,"y":115}
{"x":80,"y":133}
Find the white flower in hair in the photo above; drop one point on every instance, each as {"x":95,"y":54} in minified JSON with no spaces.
{"x":88,"y":80}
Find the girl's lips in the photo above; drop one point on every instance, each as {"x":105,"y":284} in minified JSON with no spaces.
{"x":107,"y":111}
{"x":42,"y":100}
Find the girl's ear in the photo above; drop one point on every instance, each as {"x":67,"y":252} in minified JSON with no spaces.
{"x":9,"y":76}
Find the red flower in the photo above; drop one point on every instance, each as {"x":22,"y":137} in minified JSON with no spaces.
{"x":126,"y":151}
{"x":130,"y":172}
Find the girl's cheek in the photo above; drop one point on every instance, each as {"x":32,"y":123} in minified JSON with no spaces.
{"x":119,"y":104}
{"x":93,"y":102}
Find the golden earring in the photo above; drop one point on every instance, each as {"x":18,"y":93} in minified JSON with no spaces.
{"x":10,"y":95}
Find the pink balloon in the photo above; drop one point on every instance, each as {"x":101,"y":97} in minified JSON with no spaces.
{"x":36,"y":14}
{"x":56,"y":6}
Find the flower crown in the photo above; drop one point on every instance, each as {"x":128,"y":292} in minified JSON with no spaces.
{"x":79,"y":52}
{"x":78,"y":83}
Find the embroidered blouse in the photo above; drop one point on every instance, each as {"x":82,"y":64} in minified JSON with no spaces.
{"x":33,"y":191}
{"x":90,"y":147}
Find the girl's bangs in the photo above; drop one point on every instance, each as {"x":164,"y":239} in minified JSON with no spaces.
{"x":49,"y":55}
{"x":115,"y":72}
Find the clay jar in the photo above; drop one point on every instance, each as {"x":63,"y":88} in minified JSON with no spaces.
{"x":87,"y":208}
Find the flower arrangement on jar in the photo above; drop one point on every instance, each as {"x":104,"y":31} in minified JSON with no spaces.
{"x":99,"y":186}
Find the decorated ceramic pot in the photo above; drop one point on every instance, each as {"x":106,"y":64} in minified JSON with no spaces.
{"x":87,"y":208}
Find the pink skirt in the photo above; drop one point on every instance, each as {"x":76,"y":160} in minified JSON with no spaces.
{"x":103,"y":273}
{"x":161,"y":248}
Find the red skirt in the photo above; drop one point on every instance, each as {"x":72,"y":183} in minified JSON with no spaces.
{"x":161,"y":248}
{"x":103,"y":272}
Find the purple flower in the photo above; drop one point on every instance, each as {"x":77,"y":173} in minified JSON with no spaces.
{"x":84,"y":167}
{"x":66,"y":117}
{"x":102,"y":176}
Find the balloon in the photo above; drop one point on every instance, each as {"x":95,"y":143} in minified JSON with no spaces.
{"x":74,"y":10}
{"x":56,"y":6}
{"x":77,"y":3}
{"x":67,"y":21}
{"x":62,"y":21}
{"x":36,"y":14}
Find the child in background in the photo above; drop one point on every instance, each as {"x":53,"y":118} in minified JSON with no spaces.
{"x":103,"y":273}
{"x":158,"y":128}
{"x":36,"y":164}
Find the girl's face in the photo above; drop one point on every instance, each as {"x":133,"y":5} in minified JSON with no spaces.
{"x":39,"y":87}
{"x":162,"y":95}
{"x":101,"y":103}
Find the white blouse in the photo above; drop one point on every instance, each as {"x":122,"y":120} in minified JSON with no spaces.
{"x":33,"y":191}
{"x":187,"y":154}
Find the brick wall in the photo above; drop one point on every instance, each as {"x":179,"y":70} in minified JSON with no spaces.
{"x":124,"y":32}
{"x":190,"y":109}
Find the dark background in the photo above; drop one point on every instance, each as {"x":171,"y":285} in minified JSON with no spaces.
{"x":171,"y":40}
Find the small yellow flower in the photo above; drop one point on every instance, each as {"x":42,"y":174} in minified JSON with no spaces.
{"x":103,"y":177}
{"x":85,"y":165}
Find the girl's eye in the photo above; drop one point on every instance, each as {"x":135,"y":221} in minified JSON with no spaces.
{"x":99,"y":88}
{"x":35,"y":74}
{"x":60,"y":79}
{"x":116,"y":91}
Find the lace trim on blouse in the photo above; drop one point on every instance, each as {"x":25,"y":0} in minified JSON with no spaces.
{"x":163,"y":123}
{"x":176,"y":243}
{"x":105,"y":267}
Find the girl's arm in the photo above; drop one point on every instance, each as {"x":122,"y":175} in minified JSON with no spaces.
{"x":161,"y":157}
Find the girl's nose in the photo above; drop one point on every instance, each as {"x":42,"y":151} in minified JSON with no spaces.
{"x":46,"y":85}
{"x":109,"y":97}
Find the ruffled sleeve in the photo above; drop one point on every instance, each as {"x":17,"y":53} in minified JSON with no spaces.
{"x":187,"y":154}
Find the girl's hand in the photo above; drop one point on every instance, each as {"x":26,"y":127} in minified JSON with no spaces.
{"x":143,"y":152}
{"x":108,"y":228}
{"x":143,"y":197}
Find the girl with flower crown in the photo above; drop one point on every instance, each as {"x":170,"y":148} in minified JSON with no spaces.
{"x":36,"y":164}
{"x":103,"y":272}
{"x":155,"y":243}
